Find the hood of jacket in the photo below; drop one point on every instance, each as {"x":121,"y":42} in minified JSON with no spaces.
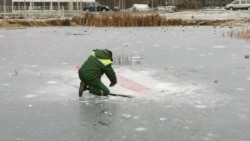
{"x":103,"y":54}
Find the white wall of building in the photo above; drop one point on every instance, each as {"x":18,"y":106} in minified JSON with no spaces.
{"x":48,"y":4}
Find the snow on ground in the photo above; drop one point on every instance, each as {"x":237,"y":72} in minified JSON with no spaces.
{"x":210,"y":15}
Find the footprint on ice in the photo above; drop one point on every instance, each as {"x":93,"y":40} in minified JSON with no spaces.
{"x":140,"y":129}
{"x":51,"y":82}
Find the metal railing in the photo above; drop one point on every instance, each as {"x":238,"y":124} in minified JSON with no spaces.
{"x":38,"y":11}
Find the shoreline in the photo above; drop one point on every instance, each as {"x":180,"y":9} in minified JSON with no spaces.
{"x":138,"y":19}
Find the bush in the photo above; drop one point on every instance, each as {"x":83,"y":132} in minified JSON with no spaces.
{"x":66,"y":22}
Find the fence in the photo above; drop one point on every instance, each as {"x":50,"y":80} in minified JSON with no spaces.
{"x":38,"y":12}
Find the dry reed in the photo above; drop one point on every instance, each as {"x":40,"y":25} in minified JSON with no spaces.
{"x":125,"y":19}
{"x":240,"y":34}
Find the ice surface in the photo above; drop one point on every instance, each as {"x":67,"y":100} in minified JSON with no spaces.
{"x":193,"y":84}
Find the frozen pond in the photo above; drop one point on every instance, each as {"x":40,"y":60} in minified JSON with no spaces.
{"x":190,"y":83}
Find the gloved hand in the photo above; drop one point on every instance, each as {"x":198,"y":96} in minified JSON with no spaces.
{"x":111,"y":84}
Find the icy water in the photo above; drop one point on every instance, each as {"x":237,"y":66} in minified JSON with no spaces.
{"x":190,"y":83}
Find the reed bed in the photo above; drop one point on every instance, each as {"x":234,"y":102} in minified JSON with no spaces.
{"x":240,"y":34}
{"x":116,"y":19}
{"x":126,"y":19}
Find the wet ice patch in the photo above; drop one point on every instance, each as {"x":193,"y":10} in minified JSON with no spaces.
{"x":197,"y":95}
{"x":140,"y":129}
{"x":172,"y":88}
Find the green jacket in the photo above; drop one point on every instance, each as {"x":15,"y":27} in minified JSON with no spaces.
{"x":98,"y":63}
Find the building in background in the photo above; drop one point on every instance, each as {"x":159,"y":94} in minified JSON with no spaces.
{"x":8,"y":2}
{"x":48,"y":4}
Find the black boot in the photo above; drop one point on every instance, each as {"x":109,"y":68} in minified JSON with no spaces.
{"x":82,"y":88}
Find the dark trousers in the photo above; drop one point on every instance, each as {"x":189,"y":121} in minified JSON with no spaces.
{"x":96,"y":86}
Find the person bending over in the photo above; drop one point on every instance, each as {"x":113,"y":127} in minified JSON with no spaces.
{"x":90,"y":73}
